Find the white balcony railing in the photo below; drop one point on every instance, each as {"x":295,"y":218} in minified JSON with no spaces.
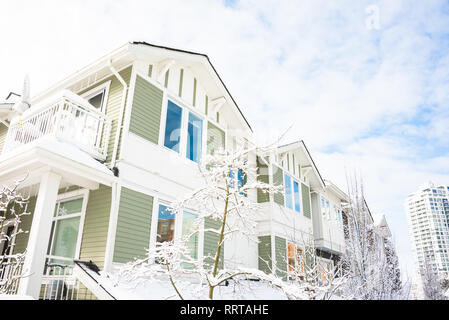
{"x":58,"y":283}
{"x":68,"y":117}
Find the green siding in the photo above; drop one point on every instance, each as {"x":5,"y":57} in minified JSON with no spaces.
{"x":262,"y":175}
{"x":150,"y":70}
{"x":211,"y":243}
{"x":21,"y":242}
{"x":194,"y":92}
{"x":278,"y":180}
{"x":215,"y":138}
{"x":22,"y":239}
{"x":305,"y":200}
{"x":96,"y":224}
{"x":181,"y":77}
{"x":133,"y":225}
{"x":280,"y":247}
{"x":113,"y":105}
{"x":146,"y":110}
{"x":265,"y":262}
{"x":310,"y":264}
{"x":3,"y":132}
{"x":167,"y":74}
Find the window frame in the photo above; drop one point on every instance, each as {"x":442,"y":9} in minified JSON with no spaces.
{"x":96,"y":90}
{"x":185,"y":110}
{"x":178,"y":226}
{"x":293,"y":179}
{"x":73,"y":195}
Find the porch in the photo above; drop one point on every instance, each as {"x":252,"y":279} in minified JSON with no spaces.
{"x":70,"y":194}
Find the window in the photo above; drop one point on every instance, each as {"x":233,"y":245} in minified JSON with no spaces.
{"x":64,"y":238}
{"x":292,"y":197}
{"x":296,"y":196}
{"x":288,"y":191}
{"x":173,"y":126}
{"x":291,"y":258}
{"x":185,"y":130}
{"x":165,"y":224}
{"x":188,"y":225}
{"x":97,"y":100}
{"x":7,"y":232}
{"x":194,"y":137}
{"x":97,"y":96}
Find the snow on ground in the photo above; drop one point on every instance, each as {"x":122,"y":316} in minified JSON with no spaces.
{"x":121,"y":289}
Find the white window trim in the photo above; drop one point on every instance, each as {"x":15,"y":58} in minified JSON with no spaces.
{"x":94,"y":91}
{"x":186,"y":109}
{"x":178,"y":227}
{"x":293,"y":179}
{"x":81,"y":193}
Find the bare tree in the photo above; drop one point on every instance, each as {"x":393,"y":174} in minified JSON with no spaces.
{"x":13,"y":207}
{"x":228,"y":180}
{"x":432,"y":282}
{"x":371,"y":265}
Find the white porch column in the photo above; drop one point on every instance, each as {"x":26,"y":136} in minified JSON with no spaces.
{"x":39,"y":235}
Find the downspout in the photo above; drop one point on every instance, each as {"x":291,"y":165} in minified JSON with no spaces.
{"x":109,"y":252}
{"x":122,"y":110}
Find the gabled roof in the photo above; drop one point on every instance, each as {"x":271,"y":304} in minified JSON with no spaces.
{"x":336,"y":190}
{"x":306,"y":156}
{"x":380,"y":222}
{"x":209,"y":63}
{"x":127,"y":53}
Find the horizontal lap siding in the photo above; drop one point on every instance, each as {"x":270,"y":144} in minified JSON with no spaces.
{"x":113,"y":105}
{"x":3,"y":132}
{"x":211,"y":243}
{"x":21,"y":241}
{"x":133,"y":225}
{"x":278,"y":180}
{"x":146,"y":110}
{"x":281,"y":257}
{"x":262,"y":176}
{"x":96,"y":224}
{"x":264,"y":247}
{"x":305,"y":200}
{"x":215,"y":138}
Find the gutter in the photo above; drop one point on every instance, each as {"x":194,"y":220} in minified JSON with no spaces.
{"x":122,"y":110}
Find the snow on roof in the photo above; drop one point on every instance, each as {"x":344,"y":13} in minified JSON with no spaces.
{"x":63,"y":149}
{"x":72,"y":152}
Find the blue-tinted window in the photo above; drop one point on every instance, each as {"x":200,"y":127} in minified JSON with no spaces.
{"x":165,"y":224}
{"x":288,"y":191}
{"x":296,"y":195}
{"x":173,"y":126}
{"x":240,"y":179}
{"x":231,"y":178}
{"x":194,"y":138}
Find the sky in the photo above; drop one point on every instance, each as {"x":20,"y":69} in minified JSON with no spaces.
{"x":364,"y":83}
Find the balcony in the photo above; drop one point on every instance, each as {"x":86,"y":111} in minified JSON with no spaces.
{"x":66,"y":116}
{"x":329,"y":246}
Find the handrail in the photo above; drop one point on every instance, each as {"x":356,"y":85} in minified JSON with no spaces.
{"x":67,"y":116}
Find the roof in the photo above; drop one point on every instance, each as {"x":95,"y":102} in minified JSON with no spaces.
{"x":208,"y":60}
{"x":336,"y":190}
{"x":123,"y":56}
{"x":380,"y":222}
{"x":301,"y":144}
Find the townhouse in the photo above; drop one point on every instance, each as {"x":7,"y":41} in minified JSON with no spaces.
{"x":105,"y":151}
